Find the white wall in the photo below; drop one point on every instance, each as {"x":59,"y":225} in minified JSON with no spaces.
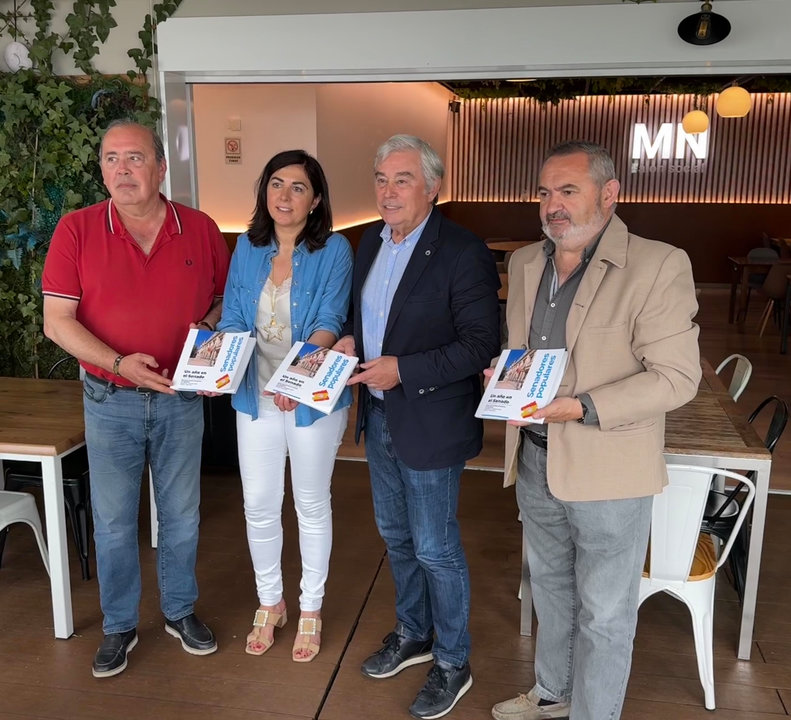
{"x":342,"y":125}
{"x":112,"y":57}
{"x":272,"y":117}
{"x":354,"y":119}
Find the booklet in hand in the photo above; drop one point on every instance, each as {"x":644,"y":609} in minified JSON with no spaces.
{"x":213,"y":361}
{"x":313,"y":375}
{"x":523,"y":381}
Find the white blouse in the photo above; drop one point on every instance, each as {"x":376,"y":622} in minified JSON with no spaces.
{"x":273,"y":333}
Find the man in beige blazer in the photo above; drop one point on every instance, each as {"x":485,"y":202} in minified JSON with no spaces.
{"x":623,"y":307}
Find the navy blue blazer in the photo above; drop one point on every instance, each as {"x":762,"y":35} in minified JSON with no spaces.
{"x":444,"y":328}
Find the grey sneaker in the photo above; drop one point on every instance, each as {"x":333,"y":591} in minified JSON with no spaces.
{"x":526,"y":707}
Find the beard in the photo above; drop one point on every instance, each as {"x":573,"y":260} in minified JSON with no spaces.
{"x":576,"y":235}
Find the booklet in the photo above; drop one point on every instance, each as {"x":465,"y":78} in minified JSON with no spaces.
{"x":313,"y":375}
{"x":213,"y":361}
{"x":523,"y":381}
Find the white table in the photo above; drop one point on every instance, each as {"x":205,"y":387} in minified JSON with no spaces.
{"x":42,"y":421}
{"x":709,"y":431}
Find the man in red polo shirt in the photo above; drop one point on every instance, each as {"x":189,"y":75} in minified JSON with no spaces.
{"x":123,"y":281}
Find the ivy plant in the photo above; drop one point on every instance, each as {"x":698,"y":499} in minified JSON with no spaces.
{"x":49,"y":136}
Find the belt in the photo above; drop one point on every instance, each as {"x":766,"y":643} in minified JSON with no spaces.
{"x":538,"y":439}
{"x":376,"y":402}
{"x":115,"y":386}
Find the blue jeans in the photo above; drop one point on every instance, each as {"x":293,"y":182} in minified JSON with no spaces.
{"x":123,"y":430}
{"x":585,"y":562}
{"x":415,"y":513}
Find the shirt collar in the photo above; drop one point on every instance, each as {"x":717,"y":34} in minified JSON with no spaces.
{"x":410,"y":239}
{"x":172,"y":224}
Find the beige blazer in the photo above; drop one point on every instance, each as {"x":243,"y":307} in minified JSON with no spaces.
{"x":632,"y":345}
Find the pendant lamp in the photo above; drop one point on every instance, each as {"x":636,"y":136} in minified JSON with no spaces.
{"x":695,"y":121}
{"x":704,"y":28}
{"x":733,"y":102}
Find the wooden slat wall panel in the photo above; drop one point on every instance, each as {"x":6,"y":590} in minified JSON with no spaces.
{"x":499,"y":145}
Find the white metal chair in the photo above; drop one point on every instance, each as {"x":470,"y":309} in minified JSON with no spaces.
{"x":683,"y":562}
{"x":21,"y":507}
{"x":741,"y":374}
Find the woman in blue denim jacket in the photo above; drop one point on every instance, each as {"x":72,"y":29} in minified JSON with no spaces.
{"x":290,"y":279}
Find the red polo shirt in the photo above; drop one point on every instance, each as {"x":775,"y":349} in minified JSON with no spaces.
{"x":132,"y":301}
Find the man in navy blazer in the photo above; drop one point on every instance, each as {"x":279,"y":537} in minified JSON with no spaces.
{"x":425,"y":323}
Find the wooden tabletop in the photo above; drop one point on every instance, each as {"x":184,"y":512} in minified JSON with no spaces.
{"x":508,"y":245}
{"x":40,"y":417}
{"x":711,"y":423}
{"x":742,"y":261}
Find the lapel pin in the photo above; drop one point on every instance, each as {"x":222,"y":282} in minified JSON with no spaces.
{"x":428,"y":252}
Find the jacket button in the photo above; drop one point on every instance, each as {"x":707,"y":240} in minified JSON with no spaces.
{"x":421,"y":391}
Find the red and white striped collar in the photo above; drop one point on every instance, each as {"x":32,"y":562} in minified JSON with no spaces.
{"x":172,"y":218}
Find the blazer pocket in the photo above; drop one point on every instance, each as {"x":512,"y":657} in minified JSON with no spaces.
{"x":602,"y":329}
{"x":638,"y":428}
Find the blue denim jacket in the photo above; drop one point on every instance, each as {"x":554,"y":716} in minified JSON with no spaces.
{"x":321,"y":285}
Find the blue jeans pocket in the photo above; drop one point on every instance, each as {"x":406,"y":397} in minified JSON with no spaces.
{"x":189,"y":397}
{"x":95,"y":392}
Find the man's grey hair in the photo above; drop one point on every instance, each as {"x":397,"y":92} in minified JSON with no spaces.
{"x":156,"y":141}
{"x":600,"y":164}
{"x":430,"y":162}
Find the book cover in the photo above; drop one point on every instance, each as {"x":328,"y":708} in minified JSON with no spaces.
{"x":213,"y":361}
{"x":523,"y":381}
{"x":313,"y":375}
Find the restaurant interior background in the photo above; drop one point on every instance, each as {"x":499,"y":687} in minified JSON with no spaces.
{"x":713,"y":206}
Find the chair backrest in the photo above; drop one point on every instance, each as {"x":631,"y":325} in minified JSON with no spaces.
{"x":741,"y":374}
{"x":676,"y":519}
{"x":778,"y":422}
{"x":762,"y":254}
{"x":724,"y":505}
{"x":62,"y":368}
{"x":775,"y":283}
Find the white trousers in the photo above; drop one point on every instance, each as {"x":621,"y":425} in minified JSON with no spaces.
{"x":263,"y":446}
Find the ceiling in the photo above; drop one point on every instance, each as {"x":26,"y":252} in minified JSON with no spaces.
{"x":209,"y":8}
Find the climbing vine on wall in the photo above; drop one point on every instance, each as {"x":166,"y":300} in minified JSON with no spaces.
{"x":50,"y":128}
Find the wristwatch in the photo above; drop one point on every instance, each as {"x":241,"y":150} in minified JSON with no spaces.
{"x":584,"y":417}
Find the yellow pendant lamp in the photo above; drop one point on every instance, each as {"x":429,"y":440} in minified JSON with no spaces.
{"x":733,"y":102}
{"x":695,"y":121}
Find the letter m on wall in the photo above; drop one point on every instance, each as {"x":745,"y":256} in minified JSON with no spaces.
{"x":661,"y":144}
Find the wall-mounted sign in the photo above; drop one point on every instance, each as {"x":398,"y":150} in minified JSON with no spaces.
{"x":644,"y":146}
{"x":233,"y":151}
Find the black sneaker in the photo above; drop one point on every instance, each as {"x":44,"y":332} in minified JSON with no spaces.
{"x":196,"y":638}
{"x":110,"y":658}
{"x":443,"y":689}
{"x":396,"y":654}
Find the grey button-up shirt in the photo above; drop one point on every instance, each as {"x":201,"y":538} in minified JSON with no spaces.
{"x":551,"y":310}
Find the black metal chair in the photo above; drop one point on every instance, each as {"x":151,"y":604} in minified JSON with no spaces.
{"x":722,"y":509}
{"x":76,"y":489}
